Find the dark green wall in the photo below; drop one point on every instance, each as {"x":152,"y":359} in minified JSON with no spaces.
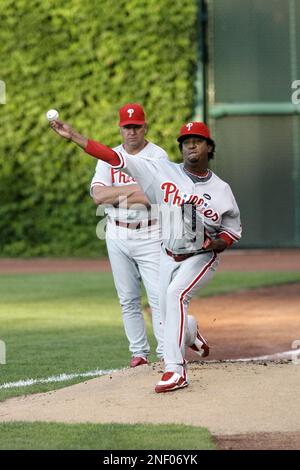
{"x":254,"y":58}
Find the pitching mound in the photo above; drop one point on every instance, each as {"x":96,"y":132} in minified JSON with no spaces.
{"x":227,"y":398}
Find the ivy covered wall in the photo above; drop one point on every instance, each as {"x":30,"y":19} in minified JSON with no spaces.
{"x":86,"y":59}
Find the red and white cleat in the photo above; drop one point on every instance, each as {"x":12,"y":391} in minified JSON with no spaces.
{"x":200,"y":346}
{"x":171,"y":381}
{"x":138,"y":361}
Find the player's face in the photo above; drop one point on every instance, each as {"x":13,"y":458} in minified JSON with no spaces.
{"x":133,"y":137}
{"x":195,"y":151}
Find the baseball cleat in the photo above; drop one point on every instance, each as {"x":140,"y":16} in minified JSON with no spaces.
{"x":138,"y":361}
{"x":200,"y":345}
{"x":171,"y":381}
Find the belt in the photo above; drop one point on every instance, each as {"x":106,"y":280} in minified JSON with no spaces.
{"x":181,"y":257}
{"x":134,"y":225}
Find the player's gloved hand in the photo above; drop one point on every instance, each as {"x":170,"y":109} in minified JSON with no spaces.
{"x":217,"y":245}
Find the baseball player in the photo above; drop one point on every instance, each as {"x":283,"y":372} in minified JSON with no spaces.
{"x":132,"y":234}
{"x":200,"y":219}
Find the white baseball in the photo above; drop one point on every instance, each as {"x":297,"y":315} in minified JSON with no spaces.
{"x":52,"y":114}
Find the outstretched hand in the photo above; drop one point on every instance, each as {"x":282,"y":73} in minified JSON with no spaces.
{"x":68,"y":133}
{"x":63,"y":129}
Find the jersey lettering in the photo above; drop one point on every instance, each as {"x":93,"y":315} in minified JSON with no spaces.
{"x":173,"y":196}
{"x":195,"y":200}
{"x":123,"y":178}
{"x":118,"y":176}
{"x":210,"y":214}
{"x":112,"y":172}
{"x":168,"y":188}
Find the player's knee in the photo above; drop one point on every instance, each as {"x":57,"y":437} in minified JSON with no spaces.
{"x":173,"y":293}
{"x":130,"y":306}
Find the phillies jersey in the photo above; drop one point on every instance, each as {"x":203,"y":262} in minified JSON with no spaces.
{"x":105,"y":175}
{"x":210,"y":201}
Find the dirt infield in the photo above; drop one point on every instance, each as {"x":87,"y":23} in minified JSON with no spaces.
{"x":233,"y":260}
{"x":260,"y":441}
{"x":228,"y":399}
{"x":248,"y":324}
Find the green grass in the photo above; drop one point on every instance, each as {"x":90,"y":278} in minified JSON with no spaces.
{"x":18,"y":436}
{"x":224,"y":283}
{"x":59,"y":323}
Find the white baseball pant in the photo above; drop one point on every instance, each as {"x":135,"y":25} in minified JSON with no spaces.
{"x":178,"y":283}
{"x":134,"y":259}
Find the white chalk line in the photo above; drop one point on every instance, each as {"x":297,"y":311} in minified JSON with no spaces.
{"x":286,"y":355}
{"x":56,"y":378}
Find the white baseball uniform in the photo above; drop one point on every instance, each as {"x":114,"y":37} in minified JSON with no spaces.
{"x":134,"y":255}
{"x":211,"y":200}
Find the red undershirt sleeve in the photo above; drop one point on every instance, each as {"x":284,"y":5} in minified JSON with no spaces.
{"x":106,"y":154}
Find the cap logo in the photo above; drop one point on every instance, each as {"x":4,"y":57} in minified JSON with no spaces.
{"x":189,"y":126}
{"x":130,"y":112}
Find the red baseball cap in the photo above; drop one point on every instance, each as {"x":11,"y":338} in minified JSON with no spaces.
{"x":132,"y":113}
{"x":194,"y":128}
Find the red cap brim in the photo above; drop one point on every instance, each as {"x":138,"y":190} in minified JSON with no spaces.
{"x":126,"y":123}
{"x":185,"y":136}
